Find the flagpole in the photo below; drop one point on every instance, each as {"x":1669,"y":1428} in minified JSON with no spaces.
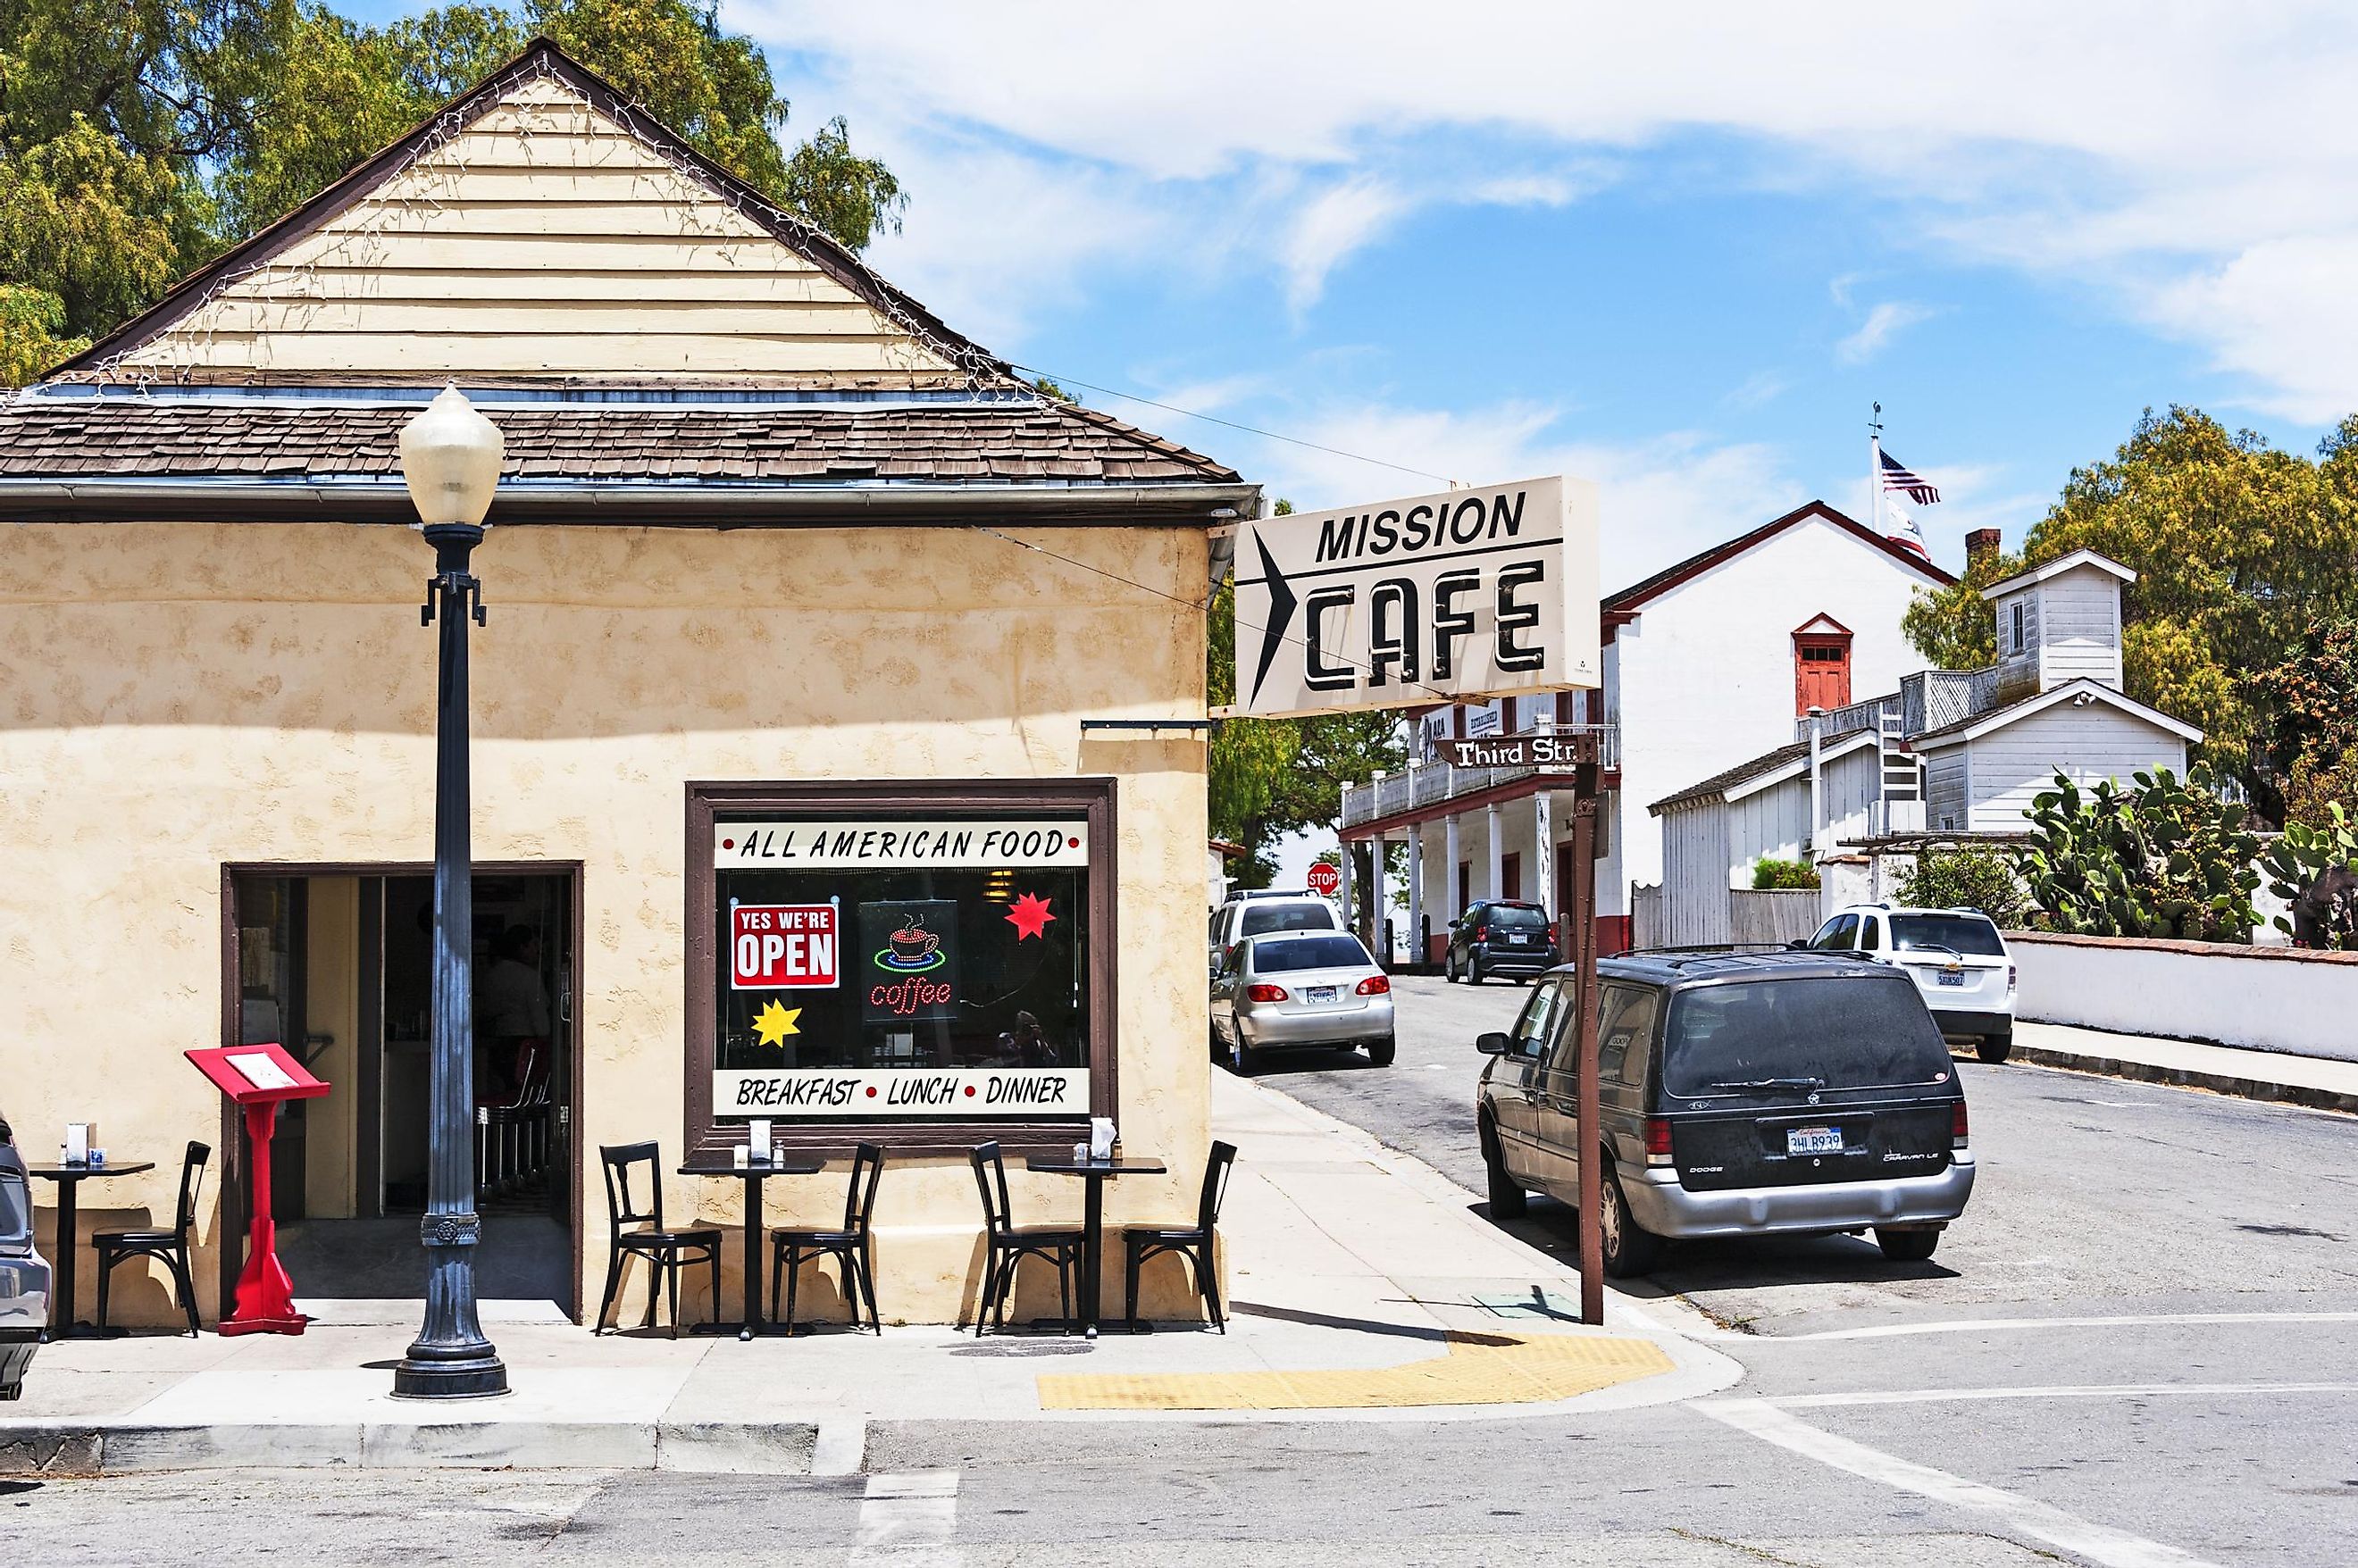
{"x":1874,"y":471}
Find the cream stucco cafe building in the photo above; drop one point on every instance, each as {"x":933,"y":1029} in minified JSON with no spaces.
{"x":794,"y":792}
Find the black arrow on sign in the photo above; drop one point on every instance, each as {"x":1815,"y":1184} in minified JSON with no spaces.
{"x":1281,"y":615}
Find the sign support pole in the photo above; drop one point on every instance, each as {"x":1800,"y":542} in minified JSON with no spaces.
{"x":1582,"y":901}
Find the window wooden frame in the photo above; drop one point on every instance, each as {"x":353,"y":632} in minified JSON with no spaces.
{"x":711,"y":1141}
{"x":1824,"y":635}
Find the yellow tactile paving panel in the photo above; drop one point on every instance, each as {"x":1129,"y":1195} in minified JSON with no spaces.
{"x":1480,"y":1370}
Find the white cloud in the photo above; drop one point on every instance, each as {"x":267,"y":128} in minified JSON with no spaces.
{"x":1882,"y":323}
{"x":1331,"y":227}
{"x":2191,"y":164}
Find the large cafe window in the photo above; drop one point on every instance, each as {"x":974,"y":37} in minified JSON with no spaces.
{"x":920,"y":963}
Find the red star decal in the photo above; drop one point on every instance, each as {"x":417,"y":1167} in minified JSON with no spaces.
{"x":1029,"y":915}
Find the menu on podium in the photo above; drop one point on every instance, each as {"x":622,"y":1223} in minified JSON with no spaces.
{"x":256,"y":1078}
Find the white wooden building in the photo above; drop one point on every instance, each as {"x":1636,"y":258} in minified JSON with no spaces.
{"x":1949,"y":753}
{"x":1706,"y":662}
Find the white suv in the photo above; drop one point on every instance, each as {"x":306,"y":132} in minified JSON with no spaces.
{"x":1955,"y":956}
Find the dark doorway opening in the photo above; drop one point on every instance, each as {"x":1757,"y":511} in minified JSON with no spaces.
{"x":334,"y":963}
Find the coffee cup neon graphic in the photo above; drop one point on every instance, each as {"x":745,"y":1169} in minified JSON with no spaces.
{"x":912,"y":949}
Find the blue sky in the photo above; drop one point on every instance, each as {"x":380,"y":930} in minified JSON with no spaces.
{"x":1678,"y":254}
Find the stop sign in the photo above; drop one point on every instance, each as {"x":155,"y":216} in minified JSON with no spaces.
{"x":1325,"y":879}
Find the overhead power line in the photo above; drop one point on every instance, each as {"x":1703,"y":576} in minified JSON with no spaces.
{"x":1233,"y":425}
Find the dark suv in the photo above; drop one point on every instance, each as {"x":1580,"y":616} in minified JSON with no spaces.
{"x":1500,"y":937}
{"x":1741,"y":1094}
{"x":24,"y":1277}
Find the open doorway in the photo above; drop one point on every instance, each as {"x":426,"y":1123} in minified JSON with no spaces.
{"x":336,"y":964}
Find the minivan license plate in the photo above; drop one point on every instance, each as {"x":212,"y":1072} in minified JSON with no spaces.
{"x":1322,"y":993}
{"x":1952,"y":977}
{"x":1813,"y":1141}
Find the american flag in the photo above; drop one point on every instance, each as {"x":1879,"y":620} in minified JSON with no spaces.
{"x":1898,"y":476}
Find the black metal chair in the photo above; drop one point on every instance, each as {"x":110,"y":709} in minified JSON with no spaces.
{"x":666,"y":1251}
{"x":848,"y":1246}
{"x":1195,"y":1243}
{"x":1009,"y":1244}
{"x":169,"y":1247}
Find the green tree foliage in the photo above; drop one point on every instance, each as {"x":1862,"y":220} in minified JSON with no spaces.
{"x":2311,"y":699}
{"x":2166,"y":859}
{"x":2237,"y":547}
{"x":1270,"y":777}
{"x":1768,"y":873}
{"x":139,"y":138}
{"x":1972,"y":876}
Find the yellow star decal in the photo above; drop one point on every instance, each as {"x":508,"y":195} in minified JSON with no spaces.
{"x":775,"y":1022}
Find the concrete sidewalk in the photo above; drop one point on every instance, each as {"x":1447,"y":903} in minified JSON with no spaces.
{"x":1363,"y":1285}
{"x":2317,"y":1082}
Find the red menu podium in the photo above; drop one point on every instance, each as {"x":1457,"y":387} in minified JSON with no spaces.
{"x":257,"y":1077}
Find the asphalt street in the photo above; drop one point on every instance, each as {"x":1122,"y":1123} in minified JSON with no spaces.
{"x":2139,"y":1349}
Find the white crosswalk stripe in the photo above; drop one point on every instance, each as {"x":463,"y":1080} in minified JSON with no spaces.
{"x":909,"y":1520}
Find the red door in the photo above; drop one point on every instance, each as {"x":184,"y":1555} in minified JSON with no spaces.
{"x":1821,"y":673}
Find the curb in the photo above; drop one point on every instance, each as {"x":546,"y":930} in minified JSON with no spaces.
{"x":86,"y":1448}
{"x":2302,"y":1095}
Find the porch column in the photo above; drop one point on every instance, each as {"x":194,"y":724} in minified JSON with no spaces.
{"x":1543,"y":888}
{"x":1497,"y":851}
{"x":1350,"y":909}
{"x":1416,"y":892}
{"x":1380,"y":881}
{"x":1449,"y":854}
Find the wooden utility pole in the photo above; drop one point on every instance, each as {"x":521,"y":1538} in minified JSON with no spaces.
{"x":1587,"y":1119}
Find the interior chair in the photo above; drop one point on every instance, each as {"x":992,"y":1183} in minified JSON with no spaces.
{"x":504,"y":1123}
{"x":665,"y":1251}
{"x":848,"y":1246}
{"x":169,"y":1247}
{"x":510,"y":1133}
{"x":1008,"y":1244}
{"x":1196,"y":1243}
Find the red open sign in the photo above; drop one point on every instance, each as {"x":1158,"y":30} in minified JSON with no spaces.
{"x":783,"y":947}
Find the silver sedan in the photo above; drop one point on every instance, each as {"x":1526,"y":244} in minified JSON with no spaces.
{"x":1300,"y":988}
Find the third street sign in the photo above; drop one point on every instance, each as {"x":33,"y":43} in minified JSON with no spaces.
{"x":1560,"y":749}
{"x":1470,"y":593}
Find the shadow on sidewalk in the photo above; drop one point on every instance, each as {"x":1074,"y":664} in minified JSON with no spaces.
{"x":1367,"y":1326}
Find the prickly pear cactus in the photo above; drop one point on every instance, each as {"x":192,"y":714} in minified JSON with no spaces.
{"x":2314,"y":868}
{"x":2168,"y":858}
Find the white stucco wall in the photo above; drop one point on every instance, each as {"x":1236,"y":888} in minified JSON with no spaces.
{"x":2192,"y":990}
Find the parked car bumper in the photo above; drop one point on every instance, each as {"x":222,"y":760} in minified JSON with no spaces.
{"x":1517,"y":960}
{"x":1949,"y":1022}
{"x":1660,"y":1204}
{"x":1372,"y":1020}
{"x":24,"y":1314}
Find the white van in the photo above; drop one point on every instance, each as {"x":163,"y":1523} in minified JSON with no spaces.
{"x":1264,"y":909}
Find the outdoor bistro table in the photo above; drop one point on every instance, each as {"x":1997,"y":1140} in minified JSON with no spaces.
{"x":68,"y":1177}
{"x":1093,"y":1172}
{"x":755,"y":1228}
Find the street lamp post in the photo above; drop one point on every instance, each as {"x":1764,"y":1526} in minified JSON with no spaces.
{"x":450,"y":460}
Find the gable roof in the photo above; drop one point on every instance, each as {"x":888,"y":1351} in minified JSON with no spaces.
{"x":1982,"y":724}
{"x":2057,"y":568}
{"x":493,"y":156}
{"x":1770,"y":768}
{"x":1638,"y":593}
{"x":657,"y":342}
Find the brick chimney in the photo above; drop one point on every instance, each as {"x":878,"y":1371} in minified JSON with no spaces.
{"x":1979,"y":543}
